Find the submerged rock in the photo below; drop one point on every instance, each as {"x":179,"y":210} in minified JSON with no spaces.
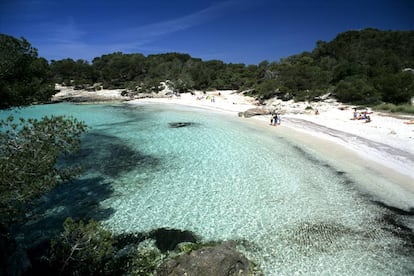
{"x":181,"y":124}
{"x":222,"y":259}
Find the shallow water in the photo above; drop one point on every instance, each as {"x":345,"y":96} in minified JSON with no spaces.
{"x":291,"y":211}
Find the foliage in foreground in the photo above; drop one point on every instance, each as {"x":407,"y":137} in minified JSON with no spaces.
{"x":90,"y":249}
{"x":29,"y":151}
{"x":82,"y":249}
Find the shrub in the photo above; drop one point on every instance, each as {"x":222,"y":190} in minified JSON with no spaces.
{"x":146,"y":259}
{"x":82,"y":249}
{"x":404,"y":108}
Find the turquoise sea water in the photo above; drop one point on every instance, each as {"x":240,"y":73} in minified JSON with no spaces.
{"x":291,"y":211}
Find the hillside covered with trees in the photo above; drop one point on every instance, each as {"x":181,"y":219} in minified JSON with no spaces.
{"x":367,"y":67}
{"x":362,"y":67}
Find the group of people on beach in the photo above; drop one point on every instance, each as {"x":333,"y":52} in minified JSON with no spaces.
{"x":361,"y":115}
{"x":275,"y":119}
{"x":211,"y":98}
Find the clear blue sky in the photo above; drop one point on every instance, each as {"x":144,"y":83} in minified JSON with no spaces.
{"x":237,"y":31}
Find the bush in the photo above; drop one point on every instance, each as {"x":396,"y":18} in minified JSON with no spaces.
{"x":146,"y":259}
{"x":82,"y":249}
{"x":404,"y":108}
{"x":356,"y":89}
{"x":396,"y":88}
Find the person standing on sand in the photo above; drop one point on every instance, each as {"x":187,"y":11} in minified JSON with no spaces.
{"x":276,"y":119}
{"x":355,"y":114}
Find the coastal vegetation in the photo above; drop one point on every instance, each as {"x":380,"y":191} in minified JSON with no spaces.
{"x":389,"y":107}
{"x":24,"y":77}
{"x":360,"y":67}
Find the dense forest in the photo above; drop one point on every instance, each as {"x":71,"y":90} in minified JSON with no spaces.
{"x":362,"y":67}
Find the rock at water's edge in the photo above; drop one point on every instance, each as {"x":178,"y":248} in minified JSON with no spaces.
{"x":253,"y":112}
{"x":167,"y":239}
{"x":222,"y":259}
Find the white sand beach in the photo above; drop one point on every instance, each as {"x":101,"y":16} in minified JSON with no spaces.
{"x":385,"y":144}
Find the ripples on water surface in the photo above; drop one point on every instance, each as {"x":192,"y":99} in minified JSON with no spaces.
{"x":223,"y":178}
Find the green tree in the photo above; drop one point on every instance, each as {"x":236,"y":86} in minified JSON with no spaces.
{"x":182,"y":85}
{"x":29,"y":151}
{"x":24,"y":78}
{"x":396,"y":88}
{"x":82,"y":249}
{"x":356,"y":89}
{"x":70,"y":72}
{"x":267,"y":89}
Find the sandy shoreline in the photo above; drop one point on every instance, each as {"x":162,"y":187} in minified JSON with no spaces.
{"x":385,"y":145}
{"x":384,"y":135}
{"x":386,"y":141}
